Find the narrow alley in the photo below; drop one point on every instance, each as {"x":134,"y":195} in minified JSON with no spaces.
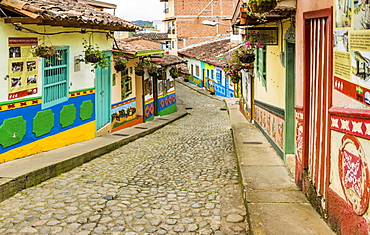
{"x":182,"y":179}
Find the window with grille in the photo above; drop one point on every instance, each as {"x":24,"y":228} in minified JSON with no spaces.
{"x":55,"y":78}
{"x":126,"y":84}
{"x":260,"y":64}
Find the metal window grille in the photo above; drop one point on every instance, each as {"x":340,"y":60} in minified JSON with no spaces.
{"x":55,"y":78}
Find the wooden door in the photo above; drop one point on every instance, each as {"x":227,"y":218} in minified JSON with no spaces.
{"x":317,"y":97}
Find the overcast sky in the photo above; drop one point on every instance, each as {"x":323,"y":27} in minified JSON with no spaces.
{"x":139,"y":9}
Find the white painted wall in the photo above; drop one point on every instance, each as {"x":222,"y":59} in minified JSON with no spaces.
{"x":82,"y":79}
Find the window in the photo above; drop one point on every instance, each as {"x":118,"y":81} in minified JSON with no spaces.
{"x":260,"y":64}
{"x":55,"y":78}
{"x":171,"y":27}
{"x":197,"y":71}
{"x":126,"y":84}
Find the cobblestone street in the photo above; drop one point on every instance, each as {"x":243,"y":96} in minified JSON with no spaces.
{"x":182,"y":179}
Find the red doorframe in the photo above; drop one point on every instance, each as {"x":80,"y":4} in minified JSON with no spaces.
{"x":307,"y":16}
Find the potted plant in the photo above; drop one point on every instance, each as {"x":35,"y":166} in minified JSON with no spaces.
{"x":245,"y":53}
{"x":153,"y":70}
{"x":120,"y":61}
{"x":43,"y":51}
{"x":92,"y":54}
{"x":261,"y":6}
{"x":174,"y":72}
{"x":233,"y":74}
{"x":141,"y":66}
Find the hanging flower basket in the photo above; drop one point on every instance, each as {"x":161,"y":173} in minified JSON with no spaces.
{"x":119,"y":67}
{"x":247,"y":58}
{"x":235,"y":78}
{"x":139,"y":72}
{"x":174,"y":71}
{"x":153,"y":74}
{"x":92,"y":58}
{"x":261,"y":6}
{"x":44,"y":51}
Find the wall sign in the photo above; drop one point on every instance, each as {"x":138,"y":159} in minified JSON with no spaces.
{"x":352,"y":49}
{"x":264,"y":36}
{"x":23,"y":70}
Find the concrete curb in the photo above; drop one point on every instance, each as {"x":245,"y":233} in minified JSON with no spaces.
{"x":23,"y":173}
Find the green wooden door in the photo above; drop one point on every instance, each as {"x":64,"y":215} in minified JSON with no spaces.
{"x":103,"y":94}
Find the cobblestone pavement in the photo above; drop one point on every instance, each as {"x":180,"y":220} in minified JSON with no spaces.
{"x":182,"y":179}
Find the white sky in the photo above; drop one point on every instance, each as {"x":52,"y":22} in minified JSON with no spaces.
{"x":138,"y":9}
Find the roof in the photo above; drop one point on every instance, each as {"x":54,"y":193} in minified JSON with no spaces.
{"x":130,"y":47}
{"x":168,"y":60}
{"x":212,"y":52}
{"x":153,"y":36}
{"x":68,"y":13}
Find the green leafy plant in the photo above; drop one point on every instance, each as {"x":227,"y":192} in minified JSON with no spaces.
{"x":174,"y":72}
{"x":261,"y":6}
{"x":141,"y":66}
{"x":95,"y":56}
{"x":234,"y":74}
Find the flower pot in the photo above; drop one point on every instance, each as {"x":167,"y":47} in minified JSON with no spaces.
{"x":139,"y":72}
{"x":247,"y":58}
{"x":235,"y":79}
{"x":261,"y":6}
{"x":119,"y":67}
{"x":45,"y":52}
{"x":92,"y":58}
{"x":153,"y":74}
{"x":173,"y":75}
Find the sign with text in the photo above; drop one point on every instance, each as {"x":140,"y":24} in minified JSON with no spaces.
{"x":264,"y":36}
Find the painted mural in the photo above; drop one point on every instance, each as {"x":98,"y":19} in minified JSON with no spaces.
{"x":271,"y":124}
{"x":166,"y":96}
{"x":28,"y":129}
{"x":123,"y":112}
{"x":149,"y":99}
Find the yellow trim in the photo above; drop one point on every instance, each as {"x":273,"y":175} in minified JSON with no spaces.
{"x":20,"y":104}
{"x":81,"y":93}
{"x":77,"y":134}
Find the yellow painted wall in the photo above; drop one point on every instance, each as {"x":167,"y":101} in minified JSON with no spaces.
{"x":116,"y":89}
{"x":77,"y":134}
{"x":275,"y":73}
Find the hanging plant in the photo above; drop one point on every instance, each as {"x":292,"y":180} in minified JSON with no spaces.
{"x":247,"y":58}
{"x":95,"y":56}
{"x":120,"y":60}
{"x":141,"y":66}
{"x":261,"y":6}
{"x":174,"y":72}
{"x":233,"y":74}
{"x":43,"y":51}
{"x":154,"y":70}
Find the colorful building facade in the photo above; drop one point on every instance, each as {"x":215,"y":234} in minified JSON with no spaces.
{"x":332,"y":112}
{"x":47,"y":103}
